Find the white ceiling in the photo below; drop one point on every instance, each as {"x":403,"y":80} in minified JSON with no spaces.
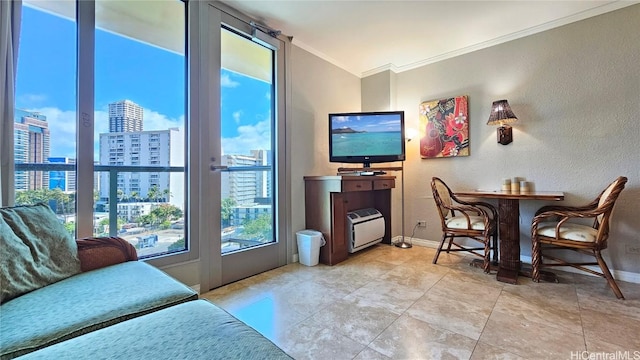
{"x":368,"y":36}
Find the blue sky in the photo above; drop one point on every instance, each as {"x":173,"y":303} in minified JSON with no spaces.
{"x":125,"y":69}
{"x":368,"y":123}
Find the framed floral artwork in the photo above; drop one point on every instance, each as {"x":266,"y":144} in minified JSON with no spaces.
{"x":444,"y":128}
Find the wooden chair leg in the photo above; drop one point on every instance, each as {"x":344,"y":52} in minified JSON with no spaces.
{"x":536,"y":259}
{"x":444,"y":238}
{"x":607,"y":274}
{"x":449,"y":246}
{"x":487,"y":253}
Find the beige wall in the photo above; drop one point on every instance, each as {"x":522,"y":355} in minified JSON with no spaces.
{"x":575,"y":89}
{"x":317,"y":89}
{"x":576,"y":92}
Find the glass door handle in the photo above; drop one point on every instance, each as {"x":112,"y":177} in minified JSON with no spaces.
{"x":218,"y":167}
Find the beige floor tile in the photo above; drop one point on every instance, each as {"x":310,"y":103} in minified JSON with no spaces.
{"x":270,"y":318}
{"x":370,"y":354}
{"x":461,"y":317}
{"x":387,"y":295}
{"x":487,"y":352}
{"x":535,"y":308}
{"x":617,"y":329}
{"x":409,"y":338}
{"x":598,"y":346}
{"x":357,"y":320}
{"x":413,"y":277}
{"x":514,"y":332}
{"x":392,"y":303}
{"x":307,"y":341}
{"x":463,"y":287}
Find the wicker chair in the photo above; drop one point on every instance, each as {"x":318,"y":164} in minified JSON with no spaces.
{"x":465,"y":219}
{"x":552,"y":229}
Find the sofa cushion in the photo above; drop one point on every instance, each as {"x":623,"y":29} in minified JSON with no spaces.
{"x":194,"y":330}
{"x":36,"y":250}
{"x":84,"y":303}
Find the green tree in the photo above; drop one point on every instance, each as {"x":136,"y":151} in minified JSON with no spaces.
{"x":228,"y":204}
{"x":121,"y":195}
{"x":167,"y":212}
{"x":166,"y":194}
{"x":177,"y":246}
{"x":154,"y":193}
{"x":260,"y":228}
{"x":71,"y":227}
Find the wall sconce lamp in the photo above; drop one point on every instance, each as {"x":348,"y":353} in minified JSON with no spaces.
{"x":501,"y":114}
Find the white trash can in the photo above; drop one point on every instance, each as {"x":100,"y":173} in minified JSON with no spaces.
{"x":309,"y":243}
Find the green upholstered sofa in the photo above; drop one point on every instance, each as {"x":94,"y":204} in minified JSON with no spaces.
{"x":51,"y":313}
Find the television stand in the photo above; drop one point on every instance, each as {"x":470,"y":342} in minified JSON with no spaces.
{"x":367,"y":168}
{"x":328,"y":199}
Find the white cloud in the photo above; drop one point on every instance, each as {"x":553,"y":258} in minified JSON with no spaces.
{"x":225,"y":81}
{"x":153,"y":120}
{"x":250,"y":137}
{"x":31,"y":99}
{"x":236,"y":116}
{"x":62,"y":127}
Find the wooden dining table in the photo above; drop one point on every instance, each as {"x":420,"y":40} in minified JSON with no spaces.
{"x":509,"y":228}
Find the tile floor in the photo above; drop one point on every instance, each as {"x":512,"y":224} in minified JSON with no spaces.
{"x":392,"y":303}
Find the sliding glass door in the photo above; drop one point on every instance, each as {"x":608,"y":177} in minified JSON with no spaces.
{"x":245,"y":154}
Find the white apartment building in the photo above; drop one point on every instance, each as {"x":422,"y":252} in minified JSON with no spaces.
{"x":246,"y":186}
{"x":162,"y":148}
{"x":250,"y":189}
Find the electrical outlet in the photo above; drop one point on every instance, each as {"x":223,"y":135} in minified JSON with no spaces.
{"x":422,"y":223}
{"x":632,"y":249}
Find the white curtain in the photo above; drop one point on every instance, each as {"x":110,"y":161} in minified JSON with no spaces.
{"x":10,"y":12}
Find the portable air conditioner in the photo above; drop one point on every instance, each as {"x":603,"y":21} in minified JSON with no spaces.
{"x":365,"y":228}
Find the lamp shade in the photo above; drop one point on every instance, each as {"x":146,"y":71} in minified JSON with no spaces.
{"x":501,"y":113}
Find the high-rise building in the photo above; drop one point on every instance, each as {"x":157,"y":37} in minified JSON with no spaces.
{"x":162,"y":148}
{"x":31,"y":145}
{"x":125,"y":116}
{"x":63,"y":180}
{"x":251,"y":190}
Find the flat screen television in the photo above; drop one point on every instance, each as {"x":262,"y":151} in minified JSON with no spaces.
{"x":366,"y":137}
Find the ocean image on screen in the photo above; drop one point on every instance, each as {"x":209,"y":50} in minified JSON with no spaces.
{"x":359,"y":144}
{"x":366,"y":135}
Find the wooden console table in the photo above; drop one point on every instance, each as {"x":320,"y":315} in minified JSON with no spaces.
{"x":328,"y":199}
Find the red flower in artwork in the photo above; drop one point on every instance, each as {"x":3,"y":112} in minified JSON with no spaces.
{"x":455,"y":126}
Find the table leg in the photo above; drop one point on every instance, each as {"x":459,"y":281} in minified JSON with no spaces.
{"x":509,"y":228}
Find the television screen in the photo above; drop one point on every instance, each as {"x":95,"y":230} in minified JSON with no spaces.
{"x":366,"y":137}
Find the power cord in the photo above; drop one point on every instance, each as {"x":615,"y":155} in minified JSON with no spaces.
{"x":413,"y":232}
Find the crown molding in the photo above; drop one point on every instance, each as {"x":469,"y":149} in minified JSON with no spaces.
{"x":608,"y":7}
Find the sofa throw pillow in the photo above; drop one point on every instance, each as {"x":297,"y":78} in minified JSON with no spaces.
{"x":36,"y":250}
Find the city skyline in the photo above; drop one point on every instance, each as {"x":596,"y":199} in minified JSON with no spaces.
{"x":48,"y":87}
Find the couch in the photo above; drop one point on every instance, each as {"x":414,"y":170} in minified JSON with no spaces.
{"x":91,"y":298}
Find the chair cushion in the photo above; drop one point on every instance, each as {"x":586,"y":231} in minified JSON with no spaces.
{"x":460,"y":222}
{"x":193,"y":330}
{"x":568,"y":231}
{"x":36,"y":250}
{"x":84,"y":303}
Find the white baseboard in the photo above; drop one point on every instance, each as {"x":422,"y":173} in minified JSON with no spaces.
{"x":617,"y":274}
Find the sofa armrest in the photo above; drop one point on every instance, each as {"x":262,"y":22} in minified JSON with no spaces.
{"x":99,"y":252}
